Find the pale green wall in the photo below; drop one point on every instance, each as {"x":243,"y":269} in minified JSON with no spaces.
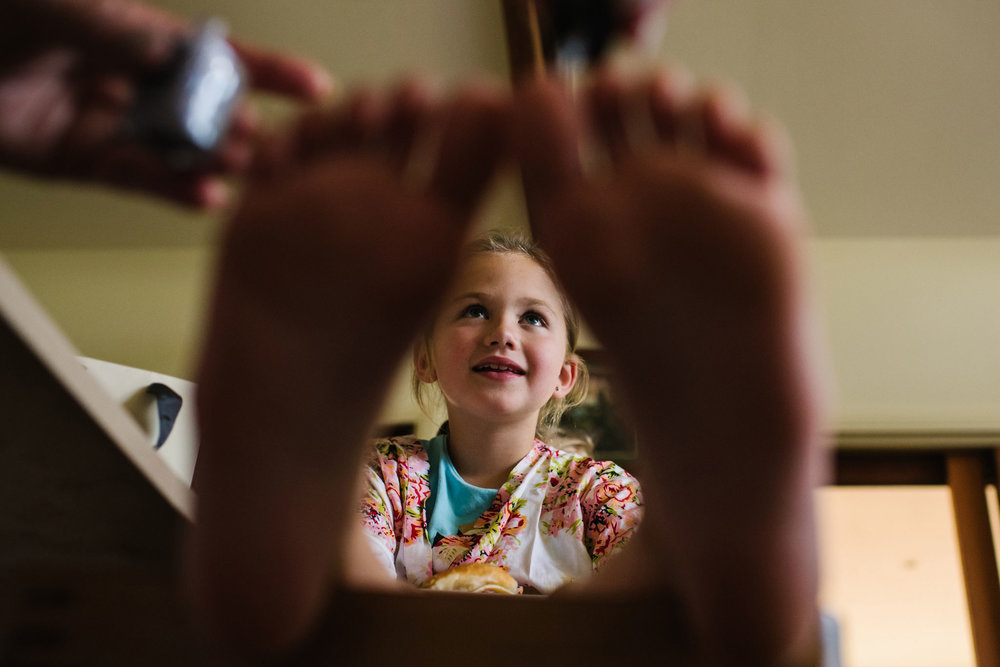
{"x":913,"y":324}
{"x":914,"y":329}
{"x":140,"y":307}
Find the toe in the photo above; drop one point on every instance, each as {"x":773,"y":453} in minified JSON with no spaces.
{"x":607,"y":109}
{"x":670,"y":94}
{"x":730,"y":132}
{"x":410,"y":114}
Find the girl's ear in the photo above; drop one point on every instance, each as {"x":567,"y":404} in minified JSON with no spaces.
{"x":567,"y":377}
{"x":422,"y":363}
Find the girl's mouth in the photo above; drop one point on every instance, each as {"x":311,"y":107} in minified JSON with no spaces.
{"x":498,"y":367}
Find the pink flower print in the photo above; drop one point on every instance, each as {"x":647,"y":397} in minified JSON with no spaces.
{"x":454,"y":549}
{"x":613,"y":533}
{"x":413,"y":517}
{"x":515,"y":524}
{"x":412,"y":532}
{"x":420,"y":466}
{"x":564,"y":483}
{"x":604,"y":545}
{"x":626,"y":495}
{"x":609,"y":491}
{"x":416,"y":494}
{"x":565,"y":517}
{"x":395,"y":502}
{"x":372,"y":512}
{"x":509,"y":539}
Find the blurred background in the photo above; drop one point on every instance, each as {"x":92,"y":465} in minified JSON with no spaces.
{"x":893,"y":107}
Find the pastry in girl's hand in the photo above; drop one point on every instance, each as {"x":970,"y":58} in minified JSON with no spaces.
{"x":474,"y":578}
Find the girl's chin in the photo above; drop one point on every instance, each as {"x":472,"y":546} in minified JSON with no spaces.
{"x":501,"y":415}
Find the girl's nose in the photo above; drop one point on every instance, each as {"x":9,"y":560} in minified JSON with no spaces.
{"x":501,"y":336}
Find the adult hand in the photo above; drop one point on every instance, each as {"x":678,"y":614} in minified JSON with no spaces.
{"x":69,"y":70}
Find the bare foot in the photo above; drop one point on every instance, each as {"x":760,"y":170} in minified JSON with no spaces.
{"x":346,"y":236}
{"x":681,"y":248}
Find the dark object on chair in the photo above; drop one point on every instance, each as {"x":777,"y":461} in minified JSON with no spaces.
{"x":168,"y":406}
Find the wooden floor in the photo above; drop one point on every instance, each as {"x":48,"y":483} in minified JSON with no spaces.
{"x":961,"y":468}
{"x":892,"y":577}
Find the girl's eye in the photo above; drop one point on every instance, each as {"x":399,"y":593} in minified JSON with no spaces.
{"x":534,"y":319}
{"x":474,"y":311}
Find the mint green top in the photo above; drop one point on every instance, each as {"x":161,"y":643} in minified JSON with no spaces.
{"x":453,"y":503}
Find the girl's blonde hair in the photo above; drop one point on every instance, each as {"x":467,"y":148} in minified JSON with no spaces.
{"x":517,"y":242}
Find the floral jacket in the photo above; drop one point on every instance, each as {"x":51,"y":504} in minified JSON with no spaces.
{"x":556,"y":519}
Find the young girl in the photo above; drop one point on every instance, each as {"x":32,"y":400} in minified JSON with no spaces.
{"x":501,"y":350}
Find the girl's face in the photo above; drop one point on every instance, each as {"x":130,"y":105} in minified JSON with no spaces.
{"x":498,"y":349}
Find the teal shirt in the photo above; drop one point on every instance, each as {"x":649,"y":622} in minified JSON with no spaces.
{"x":453,"y":502}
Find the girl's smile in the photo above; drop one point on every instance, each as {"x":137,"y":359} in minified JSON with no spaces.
{"x":498,"y":368}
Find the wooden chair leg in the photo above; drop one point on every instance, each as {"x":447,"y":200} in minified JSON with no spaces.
{"x":967,"y":479}
{"x":996,"y":479}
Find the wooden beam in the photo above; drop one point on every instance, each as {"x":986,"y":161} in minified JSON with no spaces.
{"x":967,"y":479}
{"x":527,"y":39}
